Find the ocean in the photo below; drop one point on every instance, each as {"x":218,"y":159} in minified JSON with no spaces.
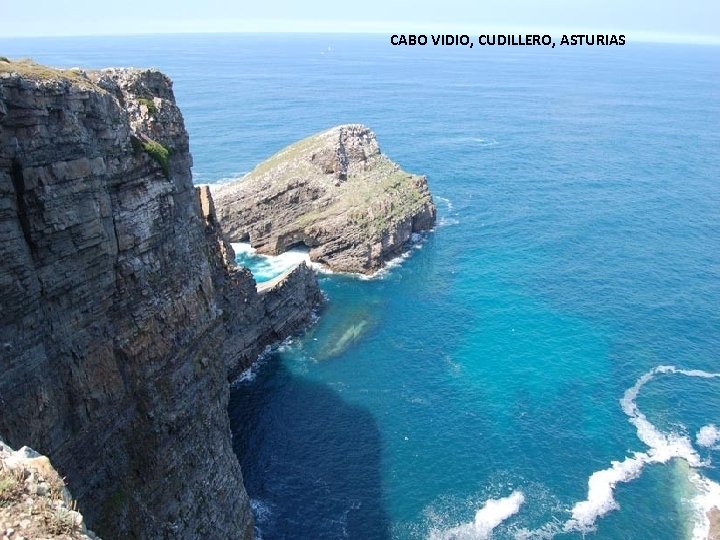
{"x":505,"y":379}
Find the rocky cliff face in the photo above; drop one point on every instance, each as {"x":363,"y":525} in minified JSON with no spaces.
{"x":271,"y":315}
{"x":256,"y":316}
{"x":117,"y":297}
{"x":334,"y":192}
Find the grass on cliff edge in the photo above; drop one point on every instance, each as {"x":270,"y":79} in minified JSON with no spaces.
{"x":50,"y":515}
{"x":32,"y":70}
{"x":374,"y":203}
{"x":8,"y":485}
{"x":374,"y":199}
{"x":156,"y":151}
{"x":293,"y":153}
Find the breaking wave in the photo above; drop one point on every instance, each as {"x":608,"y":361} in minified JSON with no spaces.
{"x":267,"y":267}
{"x":662,"y":447}
{"x":708,"y":436}
{"x":487,"y":518}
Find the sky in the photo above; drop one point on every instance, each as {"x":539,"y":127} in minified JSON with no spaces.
{"x":643,"y":20}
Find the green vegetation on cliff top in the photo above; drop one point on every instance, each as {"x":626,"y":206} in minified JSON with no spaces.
{"x":32,"y":70}
{"x":374,"y":197}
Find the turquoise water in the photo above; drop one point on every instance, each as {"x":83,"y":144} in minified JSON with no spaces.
{"x":265,"y":268}
{"x":578,"y":247}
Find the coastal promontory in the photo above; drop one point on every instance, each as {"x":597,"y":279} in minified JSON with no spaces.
{"x":334,"y":192}
{"x":123,"y":312}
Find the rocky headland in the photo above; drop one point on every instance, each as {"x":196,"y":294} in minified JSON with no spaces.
{"x":123,"y":313}
{"x":334,"y":192}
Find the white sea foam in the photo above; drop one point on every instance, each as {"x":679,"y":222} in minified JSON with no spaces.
{"x":662,"y":448}
{"x":261,"y":510}
{"x":487,"y":518}
{"x":447,"y":202}
{"x":601,"y":486}
{"x":395,"y":262}
{"x":708,"y":436}
{"x":250,"y":374}
{"x":243,"y":247}
{"x":204,"y":179}
{"x":495,"y":511}
{"x":416,"y":242}
{"x":269,"y":266}
{"x":449,"y":218}
{"x":447,"y":221}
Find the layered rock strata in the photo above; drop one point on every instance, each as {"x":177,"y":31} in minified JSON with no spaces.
{"x":336,"y":193}
{"x":118,"y":300}
{"x":256,"y":316}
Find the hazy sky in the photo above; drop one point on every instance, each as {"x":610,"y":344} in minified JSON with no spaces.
{"x":693,"y":20}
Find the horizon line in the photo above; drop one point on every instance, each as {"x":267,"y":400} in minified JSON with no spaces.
{"x":632,"y":36}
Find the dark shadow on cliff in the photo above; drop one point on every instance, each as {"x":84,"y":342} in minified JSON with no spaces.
{"x":311,"y":462}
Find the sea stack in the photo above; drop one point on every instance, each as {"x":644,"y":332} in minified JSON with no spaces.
{"x":334,"y":192}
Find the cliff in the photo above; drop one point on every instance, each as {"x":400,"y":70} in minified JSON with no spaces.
{"x":34,"y":502}
{"x":119,"y":297}
{"x":336,"y":193}
{"x":257,"y":316}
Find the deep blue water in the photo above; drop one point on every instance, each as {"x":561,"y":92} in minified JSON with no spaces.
{"x":578,"y":248}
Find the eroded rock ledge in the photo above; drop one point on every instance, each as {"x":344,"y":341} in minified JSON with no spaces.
{"x":256,"y":317}
{"x":34,"y":502}
{"x":334,"y":192}
{"x":122,"y":309}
